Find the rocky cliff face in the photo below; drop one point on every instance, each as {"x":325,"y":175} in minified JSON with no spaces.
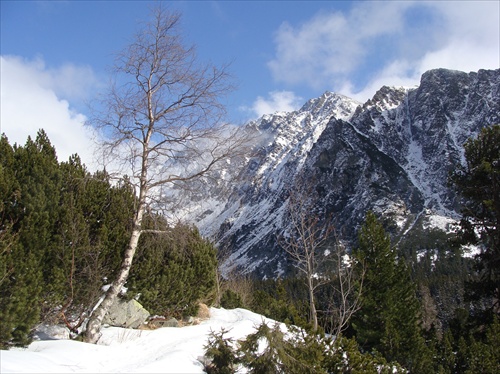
{"x":391,"y":154}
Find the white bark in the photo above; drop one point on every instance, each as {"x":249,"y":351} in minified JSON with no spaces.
{"x":92,"y":333}
{"x":164,"y":119}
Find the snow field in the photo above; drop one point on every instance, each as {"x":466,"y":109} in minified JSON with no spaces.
{"x":165,"y":350}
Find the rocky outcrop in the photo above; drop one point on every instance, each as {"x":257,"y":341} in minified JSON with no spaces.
{"x":129,"y":314}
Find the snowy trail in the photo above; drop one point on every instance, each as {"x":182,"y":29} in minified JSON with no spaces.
{"x":165,"y":350}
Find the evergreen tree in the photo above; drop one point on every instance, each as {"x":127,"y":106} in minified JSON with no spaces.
{"x":62,"y":230}
{"x":176,"y":269}
{"x":462,"y":352}
{"x":282,"y":300}
{"x":20,"y":271}
{"x":231,"y":300}
{"x":478,"y":182}
{"x":9,"y":193}
{"x":38,"y":174}
{"x":268,"y":350}
{"x":446,"y":354}
{"x":220,"y":353}
{"x":71,"y":240}
{"x":92,"y":224}
{"x":344,"y":356}
{"x":388,"y":321}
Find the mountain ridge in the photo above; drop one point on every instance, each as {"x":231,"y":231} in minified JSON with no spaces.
{"x":391,"y":154}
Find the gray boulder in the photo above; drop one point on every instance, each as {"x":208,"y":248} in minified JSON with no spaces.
{"x":129,"y":314}
{"x":51,"y":332}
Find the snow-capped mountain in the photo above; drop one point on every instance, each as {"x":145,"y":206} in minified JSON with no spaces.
{"x":391,"y":155}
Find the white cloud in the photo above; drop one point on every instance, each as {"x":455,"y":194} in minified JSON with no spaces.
{"x":277,"y":101}
{"x":389,"y":43}
{"x":332,"y":45}
{"x":398,"y":74}
{"x":32,"y":98}
{"x":473,"y":37}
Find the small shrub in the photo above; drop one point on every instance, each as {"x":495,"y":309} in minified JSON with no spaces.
{"x":220,"y":355}
{"x":231,"y":300}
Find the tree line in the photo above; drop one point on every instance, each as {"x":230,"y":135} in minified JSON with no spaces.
{"x":63,"y":233}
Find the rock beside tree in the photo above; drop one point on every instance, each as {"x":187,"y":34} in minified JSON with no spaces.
{"x":128,"y":314}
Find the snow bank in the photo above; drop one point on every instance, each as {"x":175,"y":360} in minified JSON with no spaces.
{"x":165,"y":350}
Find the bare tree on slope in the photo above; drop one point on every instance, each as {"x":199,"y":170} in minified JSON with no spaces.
{"x":306,"y":240}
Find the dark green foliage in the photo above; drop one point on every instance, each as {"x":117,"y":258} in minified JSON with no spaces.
{"x":62,"y":231}
{"x":465,"y":354}
{"x":447,"y":357}
{"x":443,"y":272}
{"x":388,"y":321}
{"x":19,"y":296}
{"x":231,"y":300}
{"x":93,"y":229}
{"x":478,"y":182}
{"x":221,"y":354}
{"x":174,"y":270}
{"x":274,"y":349}
{"x":269,"y":351}
{"x":487,"y":354}
{"x":283,"y":300}
{"x":343,"y":356}
{"x":24,"y":217}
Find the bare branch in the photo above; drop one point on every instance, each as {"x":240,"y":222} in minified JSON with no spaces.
{"x":306,"y":238}
{"x":348,"y":288}
{"x":162,"y":125}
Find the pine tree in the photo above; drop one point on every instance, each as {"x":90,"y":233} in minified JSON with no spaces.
{"x":62,"y":231}
{"x":269,"y":350}
{"x":388,"y":321}
{"x":220,"y":353}
{"x":37,"y":171}
{"x":20,"y":275}
{"x":446,"y":354}
{"x":478,"y":182}
{"x":9,"y":192}
{"x":175,"y":270}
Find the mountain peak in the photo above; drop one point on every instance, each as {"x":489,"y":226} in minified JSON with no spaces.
{"x":387,"y":97}
{"x":391,"y":155}
{"x":339,"y":106}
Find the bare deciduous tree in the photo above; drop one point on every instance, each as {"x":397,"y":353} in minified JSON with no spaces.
{"x":306,"y":239}
{"x":309,"y":244}
{"x":347,"y":289}
{"x":161,"y":122}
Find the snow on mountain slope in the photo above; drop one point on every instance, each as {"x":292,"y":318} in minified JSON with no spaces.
{"x":256,"y":205}
{"x":392,"y":154}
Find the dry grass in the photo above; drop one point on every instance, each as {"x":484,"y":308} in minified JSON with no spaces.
{"x":203,"y":312}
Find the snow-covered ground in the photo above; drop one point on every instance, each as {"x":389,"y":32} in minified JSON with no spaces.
{"x":165,"y":350}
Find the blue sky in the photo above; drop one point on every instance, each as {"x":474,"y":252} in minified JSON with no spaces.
{"x":55,"y":54}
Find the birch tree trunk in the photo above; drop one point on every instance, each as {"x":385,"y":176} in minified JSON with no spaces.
{"x":93,"y":330}
{"x":312,"y":304}
{"x":162,"y":122}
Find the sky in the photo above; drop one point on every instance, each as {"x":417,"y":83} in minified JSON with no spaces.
{"x":56,"y":55}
